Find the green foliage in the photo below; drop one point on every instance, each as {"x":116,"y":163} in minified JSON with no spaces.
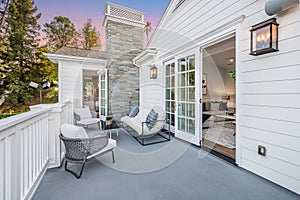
{"x":22,"y":60}
{"x":18,"y":51}
{"x":232,"y":74}
{"x":90,"y":36}
{"x":60,"y":32}
{"x":5,"y":115}
{"x":147,"y":29}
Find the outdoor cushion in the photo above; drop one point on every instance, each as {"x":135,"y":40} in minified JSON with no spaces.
{"x":84,"y":113}
{"x":71,"y":131}
{"x":111,"y":144}
{"x":151,"y":119}
{"x":134,"y":111}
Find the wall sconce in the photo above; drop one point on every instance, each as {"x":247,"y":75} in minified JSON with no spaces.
{"x":153,"y":73}
{"x":264,"y":37}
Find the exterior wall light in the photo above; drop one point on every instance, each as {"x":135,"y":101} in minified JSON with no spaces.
{"x":264,"y":37}
{"x":153,"y":72}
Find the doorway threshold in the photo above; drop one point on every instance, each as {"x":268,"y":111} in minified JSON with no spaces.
{"x":219,"y":155}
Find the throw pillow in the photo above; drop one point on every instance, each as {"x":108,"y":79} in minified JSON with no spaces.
{"x":134,"y":111}
{"x":223,"y":106}
{"x":151,"y":119}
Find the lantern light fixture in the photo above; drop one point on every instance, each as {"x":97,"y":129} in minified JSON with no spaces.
{"x":264,"y":37}
{"x":153,"y":72}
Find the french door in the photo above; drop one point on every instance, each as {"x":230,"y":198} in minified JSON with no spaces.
{"x":170,"y":100}
{"x":182,"y":106}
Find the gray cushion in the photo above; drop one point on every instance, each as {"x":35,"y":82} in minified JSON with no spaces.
{"x":151,"y":119}
{"x":134,"y":111}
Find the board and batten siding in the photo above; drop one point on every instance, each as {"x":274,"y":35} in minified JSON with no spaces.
{"x":71,"y":82}
{"x":268,"y":85}
{"x":151,"y":90}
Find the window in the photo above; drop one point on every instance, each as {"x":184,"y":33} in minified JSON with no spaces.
{"x":103,"y":95}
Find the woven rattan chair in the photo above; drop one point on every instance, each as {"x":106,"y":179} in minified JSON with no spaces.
{"x":80,"y":150}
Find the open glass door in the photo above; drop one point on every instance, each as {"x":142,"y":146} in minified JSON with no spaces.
{"x":186,"y":101}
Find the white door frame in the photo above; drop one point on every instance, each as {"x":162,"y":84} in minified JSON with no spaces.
{"x":234,"y":31}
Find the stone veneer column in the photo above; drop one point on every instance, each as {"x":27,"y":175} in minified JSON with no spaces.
{"x":123,"y":43}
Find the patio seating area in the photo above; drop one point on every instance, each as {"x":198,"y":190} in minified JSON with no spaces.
{"x":131,"y":176}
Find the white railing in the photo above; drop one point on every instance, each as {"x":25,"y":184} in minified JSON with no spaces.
{"x":29,"y":144}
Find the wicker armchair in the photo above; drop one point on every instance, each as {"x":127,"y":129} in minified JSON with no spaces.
{"x":80,"y":150}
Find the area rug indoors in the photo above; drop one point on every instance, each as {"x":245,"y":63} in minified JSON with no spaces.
{"x":222,"y":135}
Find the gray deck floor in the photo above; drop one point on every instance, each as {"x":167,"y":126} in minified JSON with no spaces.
{"x":189,"y":177}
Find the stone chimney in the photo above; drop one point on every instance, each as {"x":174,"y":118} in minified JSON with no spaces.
{"x":124,"y":28}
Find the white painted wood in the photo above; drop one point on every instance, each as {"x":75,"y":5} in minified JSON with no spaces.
{"x":24,"y":149}
{"x":268,"y":86}
{"x":2,"y":169}
{"x":278,"y":151}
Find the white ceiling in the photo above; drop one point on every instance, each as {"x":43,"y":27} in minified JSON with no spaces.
{"x":222,"y":53}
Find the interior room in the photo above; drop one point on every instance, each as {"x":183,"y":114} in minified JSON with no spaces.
{"x":219,"y":98}
{"x":91,"y":90}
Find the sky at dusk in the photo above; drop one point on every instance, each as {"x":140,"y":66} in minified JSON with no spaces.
{"x":78,"y":11}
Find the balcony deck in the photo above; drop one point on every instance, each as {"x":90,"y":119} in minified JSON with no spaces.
{"x":145,"y":173}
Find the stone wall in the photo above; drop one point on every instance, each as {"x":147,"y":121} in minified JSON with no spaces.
{"x":123,"y":43}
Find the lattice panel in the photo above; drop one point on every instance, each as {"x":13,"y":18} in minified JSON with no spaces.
{"x":125,"y":14}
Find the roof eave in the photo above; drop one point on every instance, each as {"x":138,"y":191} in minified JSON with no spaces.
{"x":57,"y":58}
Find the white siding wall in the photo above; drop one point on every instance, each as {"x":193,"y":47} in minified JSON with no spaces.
{"x":151,"y":90}
{"x":71,"y":80}
{"x":268,"y":99}
{"x":268,"y":85}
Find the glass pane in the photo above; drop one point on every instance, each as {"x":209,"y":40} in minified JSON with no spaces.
{"x":173,"y":120}
{"x":168,"y":116}
{"x":103,"y":102}
{"x":274,"y":37}
{"x":172,"y":69}
{"x":191,"y":63}
{"x":173,"y":106}
{"x":102,"y":93}
{"x":102,"y":85}
{"x":173,"y":81}
{"x":173,"y":94}
{"x":102,"y":78}
{"x":168,"y":94}
{"x":191,"y":78}
{"x":168,"y":106}
{"x":191,"y":126}
{"x":167,"y":70}
{"x":191,"y":95}
{"x":181,"y":79}
{"x":181,"y":124}
{"x":181,"y":109}
{"x":168,"y":83}
{"x":181,"y":65}
{"x":181,"y":94}
{"x":191,"y":111}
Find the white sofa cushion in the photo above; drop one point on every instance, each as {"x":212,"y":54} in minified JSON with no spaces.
{"x":136,"y":122}
{"x":71,"y":131}
{"x":111,"y":144}
{"x":84,"y":113}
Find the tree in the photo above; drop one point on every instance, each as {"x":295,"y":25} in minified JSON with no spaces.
{"x":4,"y":5}
{"x":18,"y":53}
{"x":90,"y":36}
{"x":60,"y":32}
{"x":147,"y":29}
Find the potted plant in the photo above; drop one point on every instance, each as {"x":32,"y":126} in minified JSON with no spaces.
{"x":232,"y":74}
{"x":109,"y":120}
